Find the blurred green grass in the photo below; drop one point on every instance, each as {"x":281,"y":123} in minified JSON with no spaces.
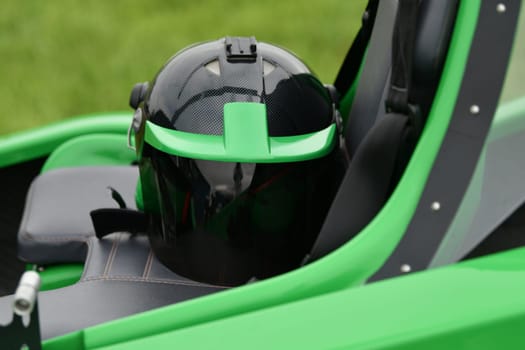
{"x":65,"y":58}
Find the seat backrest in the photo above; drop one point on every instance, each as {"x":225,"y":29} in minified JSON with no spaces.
{"x":435,"y":22}
{"x":381,"y":143}
{"x":368,"y":104}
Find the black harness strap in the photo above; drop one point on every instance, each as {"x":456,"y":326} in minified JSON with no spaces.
{"x":354,"y":56}
{"x":109,"y":220}
{"x":374,"y":169}
{"x":402,"y":55}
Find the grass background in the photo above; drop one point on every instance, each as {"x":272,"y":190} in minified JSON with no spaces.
{"x":64,"y":58}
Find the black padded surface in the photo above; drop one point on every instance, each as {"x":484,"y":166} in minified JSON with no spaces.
{"x":370,"y":136}
{"x":434,"y":29}
{"x":121,"y":277}
{"x":368,"y":103}
{"x":56,"y":220}
{"x":435,"y":23}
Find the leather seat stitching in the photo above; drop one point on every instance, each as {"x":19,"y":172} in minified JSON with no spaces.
{"x":111,"y":256}
{"x":149,"y":263}
{"x":150,"y":280}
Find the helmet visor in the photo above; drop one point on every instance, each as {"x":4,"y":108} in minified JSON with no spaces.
{"x":261,"y":217}
{"x":245,"y":139}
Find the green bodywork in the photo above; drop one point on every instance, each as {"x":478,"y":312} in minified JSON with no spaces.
{"x":324,"y":304}
{"x":95,"y":149}
{"x":472,"y":305}
{"x":23,"y":146}
{"x":58,"y":276}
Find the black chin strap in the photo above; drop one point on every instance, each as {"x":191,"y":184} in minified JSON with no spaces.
{"x":110,"y":220}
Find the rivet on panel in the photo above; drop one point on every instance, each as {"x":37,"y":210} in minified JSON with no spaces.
{"x":406,"y":268}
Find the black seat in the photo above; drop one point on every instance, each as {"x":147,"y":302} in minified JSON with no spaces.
{"x":435,"y":23}
{"x":121,"y":277}
{"x":56,"y":221}
{"x":381,"y":143}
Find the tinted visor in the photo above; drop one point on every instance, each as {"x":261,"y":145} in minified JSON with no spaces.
{"x":235,"y":221}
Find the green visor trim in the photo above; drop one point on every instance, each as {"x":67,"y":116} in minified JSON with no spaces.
{"x":245,"y":139}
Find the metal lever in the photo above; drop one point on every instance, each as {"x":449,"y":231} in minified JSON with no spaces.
{"x":19,"y":334}
{"x":26,"y":292}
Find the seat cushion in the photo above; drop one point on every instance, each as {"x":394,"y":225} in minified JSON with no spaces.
{"x":121,"y":277}
{"x":56,"y":221}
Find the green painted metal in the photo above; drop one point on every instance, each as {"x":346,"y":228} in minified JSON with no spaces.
{"x":58,"y":276}
{"x":245,"y":139}
{"x":346,"y":267}
{"x":94,"y":149}
{"x":35,"y":143}
{"x":477,"y":304}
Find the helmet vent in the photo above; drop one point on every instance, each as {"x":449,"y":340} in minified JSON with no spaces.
{"x":267,"y":67}
{"x":214,"y":67}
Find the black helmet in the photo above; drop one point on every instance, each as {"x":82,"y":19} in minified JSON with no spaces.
{"x":236,"y":143}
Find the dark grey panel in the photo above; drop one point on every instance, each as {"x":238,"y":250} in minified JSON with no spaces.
{"x":463,"y":142}
{"x":494,"y":193}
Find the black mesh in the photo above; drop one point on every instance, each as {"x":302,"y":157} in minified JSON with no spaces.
{"x":203,"y":114}
{"x":188,"y":96}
